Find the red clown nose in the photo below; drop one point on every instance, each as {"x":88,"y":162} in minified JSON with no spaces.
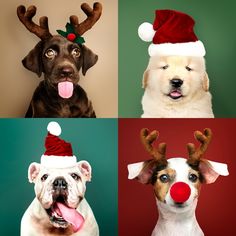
{"x":180,"y":192}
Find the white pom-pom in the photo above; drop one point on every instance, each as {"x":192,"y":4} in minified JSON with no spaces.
{"x":54,"y":128}
{"x":146,"y":32}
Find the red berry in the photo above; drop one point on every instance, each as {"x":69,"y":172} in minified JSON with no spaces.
{"x":71,"y":37}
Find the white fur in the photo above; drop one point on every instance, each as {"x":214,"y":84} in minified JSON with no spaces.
{"x":44,"y":199}
{"x":172,"y":220}
{"x":171,"y":223}
{"x":182,"y":171}
{"x":196,"y":100}
{"x":219,"y":168}
{"x":35,"y":209}
{"x":134,"y":169}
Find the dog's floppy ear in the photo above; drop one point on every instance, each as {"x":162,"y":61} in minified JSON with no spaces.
{"x":33,"y":61}
{"x":205,"y":82}
{"x":33,"y":171}
{"x":211,"y":170}
{"x":85,"y":170}
{"x":145,"y":79}
{"x":141,"y":171}
{"x":89,"y":59}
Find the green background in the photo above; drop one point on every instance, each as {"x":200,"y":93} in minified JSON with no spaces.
{"x":215,"y":27}
{"x":22,"y":142}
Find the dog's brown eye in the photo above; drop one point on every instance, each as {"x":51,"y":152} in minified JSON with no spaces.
{"x":50,"y":53}
{"x":75,"y":176}
{"x":44,"y":177}
{"x":188,"y":68}
{"x":164,"y":67}
{"x":75,"y":52}
{"x":164,"y":178}
{"x":193,"y":178}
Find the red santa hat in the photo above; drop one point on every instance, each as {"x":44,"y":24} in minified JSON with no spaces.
{"x":58,"y":153}
{"x":171,"y":34}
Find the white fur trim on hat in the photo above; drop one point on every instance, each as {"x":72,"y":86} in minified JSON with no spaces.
{"x":54,"y":128}
{"x":58,"y":161}
{"x":146,"y":32}
{"x":196,"y":49}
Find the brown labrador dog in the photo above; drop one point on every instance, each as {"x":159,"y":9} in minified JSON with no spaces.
{"x":60,"y":60}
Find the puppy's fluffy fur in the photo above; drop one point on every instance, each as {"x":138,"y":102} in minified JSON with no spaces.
{"x":194,"y":100}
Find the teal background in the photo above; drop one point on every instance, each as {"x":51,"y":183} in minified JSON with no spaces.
{"x":215,"y":27}
{"x":22,"y":142}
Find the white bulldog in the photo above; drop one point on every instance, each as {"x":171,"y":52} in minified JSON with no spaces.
{"x":59,"y":207}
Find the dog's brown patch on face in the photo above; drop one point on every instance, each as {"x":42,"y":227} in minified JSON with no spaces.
{"x":145,"y":79}
{"x":197,"y":184}
{"x":60,"y":231}
{"x":161,"y":188}
{"x":44,"y":227}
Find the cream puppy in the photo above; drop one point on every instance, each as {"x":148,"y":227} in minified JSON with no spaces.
{"x":176,"y":87}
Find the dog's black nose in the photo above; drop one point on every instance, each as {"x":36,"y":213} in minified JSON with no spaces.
{"x":59,"y":183}
{"x":66,"y":71}
{"x":176,"y":83}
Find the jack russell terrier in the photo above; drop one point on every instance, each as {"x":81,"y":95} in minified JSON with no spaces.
{"x":176,"y":182}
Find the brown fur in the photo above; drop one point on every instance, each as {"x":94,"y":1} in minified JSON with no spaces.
{"x":45,"y":228}
{"x":145,"y":79}
{"x":205,"y":83}
{"x":64,"y":66}
{"x":46,"y":102}
{"x":160,"y":188}
{"x":198,"y":183}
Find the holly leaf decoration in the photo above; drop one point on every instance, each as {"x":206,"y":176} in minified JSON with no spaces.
{"x":62,"y":33}
{"x":69,"y":28}
{"x":79,"y":40}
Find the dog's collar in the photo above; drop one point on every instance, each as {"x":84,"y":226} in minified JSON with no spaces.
{"x":71,"y":35}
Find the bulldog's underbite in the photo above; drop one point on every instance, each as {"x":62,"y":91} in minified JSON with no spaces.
{"x":59,"y":207}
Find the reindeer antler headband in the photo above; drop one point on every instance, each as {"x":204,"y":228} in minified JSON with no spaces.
{"x":74,"y":29}
{"x":159,"y":153}
{"x":195,"y":155}
{"x":41,"y":30}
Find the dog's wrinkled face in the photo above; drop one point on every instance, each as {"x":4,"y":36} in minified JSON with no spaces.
{"x":61,"y":185}
{"x":176,"y":78}
{"x":60,"y":60}
{"x":177,"y":171}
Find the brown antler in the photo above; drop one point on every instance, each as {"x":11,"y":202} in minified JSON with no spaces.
{"x":92,"y":17}
{"x":158,"y":153}
{"x":41,"y":30}
{"x":196,"y":154}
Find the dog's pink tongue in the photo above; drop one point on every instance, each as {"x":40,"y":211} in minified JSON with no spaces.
{"x":175,"y":93}
{"x":65,"y":89}
{"x":71,"y":215}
